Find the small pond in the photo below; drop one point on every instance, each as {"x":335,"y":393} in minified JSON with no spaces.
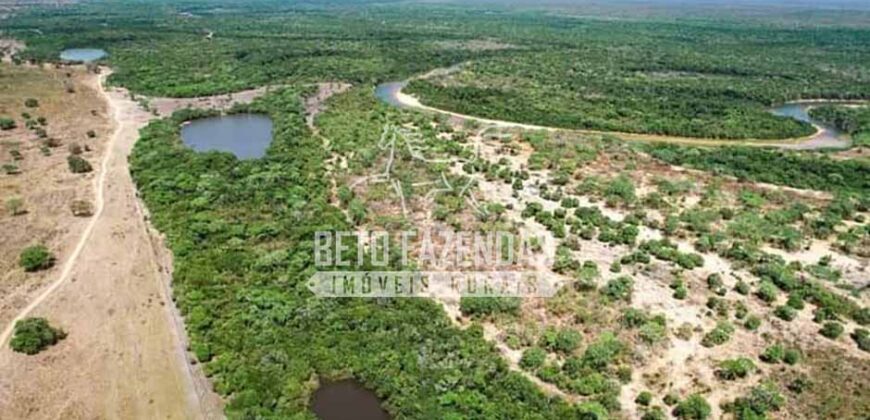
{"x":245,"y":135}
{"x":82,"y":54}
{"x":387,"y":92}
{"x":347,"y":400}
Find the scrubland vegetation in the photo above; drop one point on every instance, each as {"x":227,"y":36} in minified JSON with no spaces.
{"x":692,"y":281}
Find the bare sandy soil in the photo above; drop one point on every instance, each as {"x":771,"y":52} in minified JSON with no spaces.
{"x":125,"y":354}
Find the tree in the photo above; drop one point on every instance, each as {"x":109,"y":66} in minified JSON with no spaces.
{"x":36,"y":258}
{"x":33,"y":335}
{"x":78,"y":165}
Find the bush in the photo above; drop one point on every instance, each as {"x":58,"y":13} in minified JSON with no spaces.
{"x":483,"y":306}
{"x":766,"y":291}
{"x":644,"y":398}
{"x":78,"y":165}
{"x":91,"y":134}
{"x":36,"y":258}
{"x":31,"y":103}
{"x":671,"y":399}
{"x":695,"y":407}
{"x":619,"y":288}
{"x":732,"y":369}
{"x":563,"y":340}
{"x":742,"y":287}
{"x":718,"y":335}
{"x":15,"y":206}
{"x":75,"y":148}
{"x":861,"y":337}
{"x":656,"y":413}
{"x":791,"y":356}
{"x":533,"y":358}
{"x":786,"y":313}
{"x":761,"y":400}
{"x":752,"y":323}
{"x":33,"y":335}
{"x":7,"y":123}
{"x":832,"y":330}
{"x":773,"y":354}
{"x":81,"y":208}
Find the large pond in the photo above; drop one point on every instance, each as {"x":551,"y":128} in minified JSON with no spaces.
{"x":245,"y":135}
{"x":347,"y":400}
{"x":82,"y":54}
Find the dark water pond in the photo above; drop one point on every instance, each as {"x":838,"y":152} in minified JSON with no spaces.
{"x":347,"y":400}
{"x":245,"y":135}
{"x":82,"y":54}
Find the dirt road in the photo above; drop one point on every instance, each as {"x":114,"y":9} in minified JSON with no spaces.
{"x":125,"y":355}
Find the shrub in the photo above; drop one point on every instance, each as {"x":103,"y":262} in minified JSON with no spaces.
{"x":861,"y":337}
{"x":15,"y":206}
{"x":36,"y":258}
{"x":533,"y":358}
{"x":761,"y":400}
{"x":619,"y":288}
{"x":11,"y":169}
{"x":732,"y":369}
{"x":832,"y":330}
{"x":81,"y":208}
{"x":791,"y":356}
{"x":773,"y":354}
{"x":563,"y":340}
{"x":656,"y":413}
{"x":31,"y":103}
{"x":483,"y":306}
{"x":33,"y":335}
{"x":91,"y":134}
{"x":695,"y":407}
{"x":752,"y":322}
{"x":78,"y":165}
{"x":718,"y":335}
{"x":644,"y":398}
{"x":786,"y":313}
{"x":7,"y":123}
{"x":766,"y":291}
{"x":75,"y":149}
{"x":742,"y":287}
{"x":671,"y":399}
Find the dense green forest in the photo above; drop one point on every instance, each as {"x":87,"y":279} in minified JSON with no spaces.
{"x":853,"y":120}
{"x":697,"y":78}
{"x":242,"y":236}
{"x":793,"y":169}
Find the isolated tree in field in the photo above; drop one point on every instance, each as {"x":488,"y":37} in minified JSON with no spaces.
{"x":15,"y":206}
{"x":78,"y":165}
{"x":36,"y":258}
{"x":33,"y":335}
